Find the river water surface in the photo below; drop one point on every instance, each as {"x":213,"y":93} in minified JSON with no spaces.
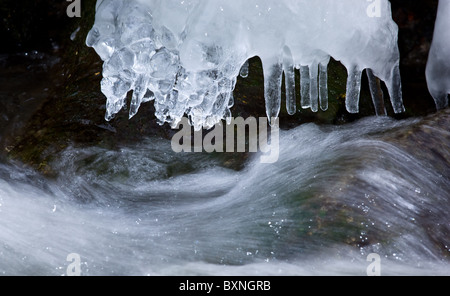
{"x":336,"y":195}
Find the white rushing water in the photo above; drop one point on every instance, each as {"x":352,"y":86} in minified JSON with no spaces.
{"x":186,"y":55}
{"x":335,"y":195}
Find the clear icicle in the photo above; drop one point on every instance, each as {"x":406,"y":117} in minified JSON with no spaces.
{"x":228,"y":116}
{"x":314,"y":88}
{"x":438,"y":65}
{"x":244,"y":70}
{"x":221,"y":102}
{"x":395,"y":90}
{"x":231,"y":101}
{"x":116,"y":91}
{"x":138,"y":94}
{"x":305,"y":83}
{"x":377,"y":93}
{"x":353,"y":89}
{"x":289,"y":74}
{"x":273,"y":76}
{"x":323,"y":86}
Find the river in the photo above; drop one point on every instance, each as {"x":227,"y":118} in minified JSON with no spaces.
{"x":336,"y":195}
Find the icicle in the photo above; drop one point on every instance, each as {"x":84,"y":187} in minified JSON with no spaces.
{"x":231,"y":101}
{"x":438,"y":65}
{"x":177,"y":109}
{"x":377,"y":93}
{"x":395,"y":90}
{"x":353,"y":89}
{"x":305,"y":82}
{"x":228,"y":116}
{"x":323,"y":86}
{"x":273,"y":75}
{"x":138,"y":94}
{"x":314,"y":88}
{"x":244,"y":70}
{"x":116,"y":91}
{"x":289,"y":74}
{"x":440,"y":98}
{"x":221,"y":102}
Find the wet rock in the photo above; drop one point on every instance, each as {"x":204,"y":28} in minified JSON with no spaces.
{"x":428,"y":140}
{"x":352,"y":205}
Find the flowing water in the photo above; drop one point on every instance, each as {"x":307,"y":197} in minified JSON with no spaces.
{"x":336,"y":195}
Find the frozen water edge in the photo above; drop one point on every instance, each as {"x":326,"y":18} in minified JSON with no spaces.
{"x":186,"y":55}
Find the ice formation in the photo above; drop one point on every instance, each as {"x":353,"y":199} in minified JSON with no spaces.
{"x":438,"y":66}
{"x":187,"y":54}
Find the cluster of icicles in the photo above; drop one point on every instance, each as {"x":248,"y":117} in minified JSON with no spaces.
{"x":187,"y":55}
